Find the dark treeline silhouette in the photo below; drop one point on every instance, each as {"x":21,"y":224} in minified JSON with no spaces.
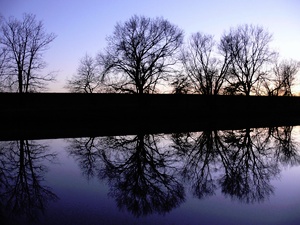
{"x":23,"y":196}
{"x":149,"y":173}
{"x":148,"y":55}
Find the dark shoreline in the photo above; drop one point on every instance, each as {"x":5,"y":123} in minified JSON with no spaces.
{"x":63,"y":115}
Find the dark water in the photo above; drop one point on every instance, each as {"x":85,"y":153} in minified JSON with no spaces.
{"x":247,"y":176}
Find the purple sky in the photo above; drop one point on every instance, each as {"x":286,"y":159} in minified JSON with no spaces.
{"x":82,"y":26}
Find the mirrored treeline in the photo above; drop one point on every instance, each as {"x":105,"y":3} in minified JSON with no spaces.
{"x":153,"y":173}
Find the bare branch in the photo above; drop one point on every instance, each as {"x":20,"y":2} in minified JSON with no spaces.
{"x":248,"y":48}
{"x":25,"y":42}
{"x":88,"y":77}
{"x":204,"y":69}
{"x":283,"y":78}
{"x":141,"y":51}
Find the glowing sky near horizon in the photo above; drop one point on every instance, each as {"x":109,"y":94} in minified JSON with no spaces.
{"x":82,"y":26}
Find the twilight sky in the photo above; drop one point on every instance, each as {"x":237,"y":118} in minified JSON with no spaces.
{"x":82,"y":26}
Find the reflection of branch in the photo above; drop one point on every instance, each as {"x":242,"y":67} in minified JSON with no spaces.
{"x":249,"y":168}
{"x":286,"y":148}
{"x":86,"y":152}
{"x":200,"y":156}
{"x":245,"y":157}
{"x":21,"y":174}
{"x":144,"y":176}
{"x":139,"y":176}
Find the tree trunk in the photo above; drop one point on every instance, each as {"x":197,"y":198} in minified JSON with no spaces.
{"x":20,"y":81}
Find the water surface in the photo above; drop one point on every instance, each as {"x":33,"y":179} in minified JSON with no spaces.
{"x":247,"y":176}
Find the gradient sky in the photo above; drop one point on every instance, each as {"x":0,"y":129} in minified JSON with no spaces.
{"x":82,"y":26}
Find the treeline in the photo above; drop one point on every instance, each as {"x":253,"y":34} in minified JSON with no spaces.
{"x":145,"y":55}
{"x":150,"y":55}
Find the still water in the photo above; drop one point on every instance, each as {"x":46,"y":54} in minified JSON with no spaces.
{"x":247,"y":176}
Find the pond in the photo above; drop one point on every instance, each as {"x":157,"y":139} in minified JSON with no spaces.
{"x":246,"y":176}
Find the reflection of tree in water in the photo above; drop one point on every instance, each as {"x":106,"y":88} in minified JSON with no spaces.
{"x":141,"y":176}
{"x":249,"y":165}
{"x":87,"y":152}
{"x":198,"y":153}
{"x":245,"y":161}
{"x":285,"y":147}
{"x":146,"y":177}
{"x":21,"y":174}
{"x":140,"y":173}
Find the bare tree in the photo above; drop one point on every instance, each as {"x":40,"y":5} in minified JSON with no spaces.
{"x":24,"y":41}
{"x":285,"y":74}
{"x":280,"y":80}
{"x":140,"y":53}
{"x":248,"y":48}
{"x":88,"y":77}
{"x":181,"y":84}
{"x":205,"y":71}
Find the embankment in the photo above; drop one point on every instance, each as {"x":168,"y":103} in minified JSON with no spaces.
{"x":69,"y":115}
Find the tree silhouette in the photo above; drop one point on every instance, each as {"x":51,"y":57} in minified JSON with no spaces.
{"x":204,"y":69}
{"x":140,"y":53}
{"x":24,"y":42}
{"x":249,"y":52}
{"x":181,"y":84}
{"x":283,"y":78}
{"x":88,"y":77}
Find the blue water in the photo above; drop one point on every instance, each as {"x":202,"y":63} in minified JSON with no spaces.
{"x":155,"y":179}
